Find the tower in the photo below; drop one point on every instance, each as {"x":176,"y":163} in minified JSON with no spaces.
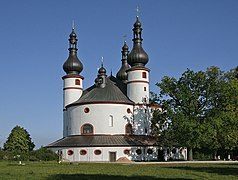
{"x":138,"y":74}
{"x":73,"y":81}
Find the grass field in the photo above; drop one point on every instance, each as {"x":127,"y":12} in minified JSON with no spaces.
{"x":52,"y":170}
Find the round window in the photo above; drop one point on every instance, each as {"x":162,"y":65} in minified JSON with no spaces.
{"x":97,"y":152}
{"x":70,"y":152}
{"x":127,"y":151}
{"x":138,"y":151}
{"x":149,"y":151}
{"x":86,"y":110}
{"x":128,"y":110}
{"x":83,"y":152}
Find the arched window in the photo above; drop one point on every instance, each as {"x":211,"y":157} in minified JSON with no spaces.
{"x":87,"y":129}
{"x":110,"y":121}
{"x":128,"y":129}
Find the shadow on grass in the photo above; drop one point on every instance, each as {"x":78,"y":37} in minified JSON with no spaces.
{"x":213,"y":170}
{"x":104,"y":177}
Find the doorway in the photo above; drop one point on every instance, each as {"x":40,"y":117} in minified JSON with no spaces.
{"x":112,"y":156}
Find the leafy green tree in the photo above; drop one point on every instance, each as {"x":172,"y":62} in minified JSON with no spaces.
{"x":161,"y":124}
{"x":221,"y":127}
{"x":18,"y":141}
{"x":202,"y":108}
{"x":185,"y":107}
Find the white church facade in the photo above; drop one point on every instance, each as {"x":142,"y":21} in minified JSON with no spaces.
{"x":112,"y":118}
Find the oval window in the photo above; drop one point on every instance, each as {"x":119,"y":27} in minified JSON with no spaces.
{"x":138,"y":151}
{"x":127,"y":151}
{"x":70,"y":152}
{"x":97,"y":152}
{"x":86,"y":110}
{"x":83,"y":152}
{"x":149,"y":151}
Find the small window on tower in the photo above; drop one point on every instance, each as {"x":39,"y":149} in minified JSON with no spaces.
{"x":144,"y":88}
{"x":143,"y":74}
{"x":77,"y":82}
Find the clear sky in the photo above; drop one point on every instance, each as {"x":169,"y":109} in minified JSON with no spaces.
{"x":178,"y":34}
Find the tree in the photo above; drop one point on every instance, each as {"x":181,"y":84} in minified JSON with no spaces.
{"x":18,"y":141}
{"x":202,"y":108}
{"x":221,"y":130}
{"x":185,"y":106}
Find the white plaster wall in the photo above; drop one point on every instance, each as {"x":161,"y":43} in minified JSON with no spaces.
{"x":71,"y":95}
{"x":135,"y":86}
{"x":64,"y":123}
{"x":136,"y":93}
{"x":98,"y":116}
{"x":104,"y":156}
{"x":136,"y":75}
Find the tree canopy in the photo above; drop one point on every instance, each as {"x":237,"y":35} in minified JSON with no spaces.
{"x":18,"y":141}
{"x":200,"y":109}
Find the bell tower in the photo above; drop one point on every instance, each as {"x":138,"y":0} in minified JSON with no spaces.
{"x":73,"y":81}
{"x":138,"y":74}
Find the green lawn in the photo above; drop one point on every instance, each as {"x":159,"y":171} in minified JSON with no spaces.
{"x":52,"y":170}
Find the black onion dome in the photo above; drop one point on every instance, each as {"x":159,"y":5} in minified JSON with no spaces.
{"x":137,"y":56}
{"x":102,"y":71}
{"x":122,"y":74}
{"x":73,"y":65}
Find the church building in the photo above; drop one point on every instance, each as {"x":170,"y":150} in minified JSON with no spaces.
{"x":112,"y":118}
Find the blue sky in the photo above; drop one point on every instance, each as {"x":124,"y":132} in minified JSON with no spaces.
{"x":178,"y":34}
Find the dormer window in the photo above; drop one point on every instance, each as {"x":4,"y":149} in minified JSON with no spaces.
{"x":87,"y":129}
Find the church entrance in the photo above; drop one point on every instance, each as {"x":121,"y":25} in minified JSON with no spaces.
{"x":112,"y":156}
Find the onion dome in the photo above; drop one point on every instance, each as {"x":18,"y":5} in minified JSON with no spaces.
{"x":100,"y":81}
{"x":102,"y":71}
{"x":137,"y":56}
{"x":122,"y":74}
{"x":73,"y":65}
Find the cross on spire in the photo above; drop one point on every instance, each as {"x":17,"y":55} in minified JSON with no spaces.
{"x":124,"y":37}
{"x":137,"y":11}
{"x":72,"y":24}
{"x":102,"y":61}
